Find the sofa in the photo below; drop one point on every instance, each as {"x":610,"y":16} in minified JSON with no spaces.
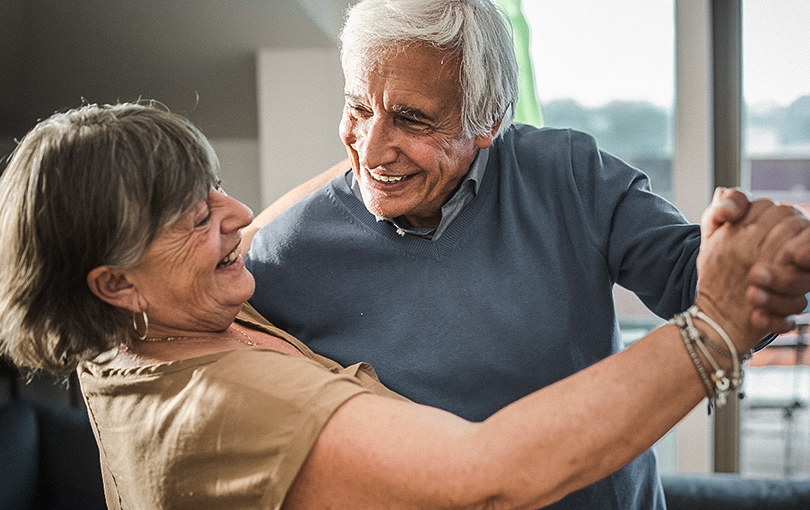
{"x":722,"y":491}
{"x":49,"y":458}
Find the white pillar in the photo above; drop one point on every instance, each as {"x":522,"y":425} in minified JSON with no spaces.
{"x":694,"y":158}
{"x":693,"y":175}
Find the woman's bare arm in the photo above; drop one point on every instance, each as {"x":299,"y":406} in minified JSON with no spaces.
{"x":289,"y":199}
{"x":379,"y":453}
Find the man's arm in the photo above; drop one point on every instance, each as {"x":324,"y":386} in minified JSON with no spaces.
{"x":289,"y":199}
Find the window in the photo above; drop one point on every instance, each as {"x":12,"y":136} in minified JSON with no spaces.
{"x":776,"y":93}
{"x":774,"y":420}
{"x":607,"y":68}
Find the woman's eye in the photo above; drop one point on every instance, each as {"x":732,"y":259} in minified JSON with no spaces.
{"x":204,"y":221}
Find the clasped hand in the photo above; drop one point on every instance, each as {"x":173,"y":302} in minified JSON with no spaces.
{"x":757,"y":249}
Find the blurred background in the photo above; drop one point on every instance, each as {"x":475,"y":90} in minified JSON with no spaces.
{"x":201,"y":58}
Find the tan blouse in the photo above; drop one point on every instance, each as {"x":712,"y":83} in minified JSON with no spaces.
{"x":226,"y":430}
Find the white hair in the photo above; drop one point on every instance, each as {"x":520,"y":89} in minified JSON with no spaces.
{"x":476,"y":30}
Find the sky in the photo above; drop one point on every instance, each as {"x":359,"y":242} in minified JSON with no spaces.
{"x":599,"y":50}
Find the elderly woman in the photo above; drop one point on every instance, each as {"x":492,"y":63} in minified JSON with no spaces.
{"x":122,"y":259}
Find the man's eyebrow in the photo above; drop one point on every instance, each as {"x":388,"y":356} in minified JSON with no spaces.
{"x":412,"y":113}
{"x":400,"y":109}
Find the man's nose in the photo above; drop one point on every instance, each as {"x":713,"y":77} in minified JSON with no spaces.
{"x":376,"y":144}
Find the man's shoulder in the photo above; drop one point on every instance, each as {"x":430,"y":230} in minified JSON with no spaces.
{"x":546,"y":139}
{"x":323,"y":203}
{"x":316,"y":222}
{"x":548,"y":154}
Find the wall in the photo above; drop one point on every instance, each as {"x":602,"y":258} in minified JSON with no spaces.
{"x":239,"y":160}
{"x":300,"y":99}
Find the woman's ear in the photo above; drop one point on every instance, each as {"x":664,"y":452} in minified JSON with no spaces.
{"x":111,"y":285}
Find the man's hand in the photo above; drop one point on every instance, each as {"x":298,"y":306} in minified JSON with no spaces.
{"x":777,"y":287}
{"x":728,"y":206}
{"x":777,"y":290}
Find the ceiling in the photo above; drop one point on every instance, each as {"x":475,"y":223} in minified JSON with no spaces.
{"x":196,"y":56}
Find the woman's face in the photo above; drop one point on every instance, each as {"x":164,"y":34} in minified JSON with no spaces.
{"x":191,"y":279}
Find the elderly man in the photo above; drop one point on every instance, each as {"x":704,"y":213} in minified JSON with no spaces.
{"x":470,"y":260}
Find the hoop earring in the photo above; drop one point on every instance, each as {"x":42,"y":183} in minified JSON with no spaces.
{"x":145,"y":325}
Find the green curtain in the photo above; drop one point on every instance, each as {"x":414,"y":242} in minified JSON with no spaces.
{"x":528,"y":110}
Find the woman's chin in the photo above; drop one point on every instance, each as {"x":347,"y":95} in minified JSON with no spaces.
{"x":237,"y":283}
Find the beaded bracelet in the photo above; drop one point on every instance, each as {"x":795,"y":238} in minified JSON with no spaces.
{"x":680,"y":321}
{"x":736,"y":373}
{"x":718,"y":382}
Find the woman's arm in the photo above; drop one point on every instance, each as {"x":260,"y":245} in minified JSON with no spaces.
{"x":289,"y":199}
{"x":380,"y":453}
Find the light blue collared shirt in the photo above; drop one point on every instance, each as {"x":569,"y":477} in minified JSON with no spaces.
{"x":467,"y":190}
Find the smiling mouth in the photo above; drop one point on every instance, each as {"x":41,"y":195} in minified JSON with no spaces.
{"x":229,"y":258}
{"x":386,"y":178}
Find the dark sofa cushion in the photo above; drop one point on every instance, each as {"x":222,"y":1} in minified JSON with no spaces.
{"x":19,"y":449}
{"x":70,"y":471}
{"x":720,"y":491}
{"x":49,"y":458}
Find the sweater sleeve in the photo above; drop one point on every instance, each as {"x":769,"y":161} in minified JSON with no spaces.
{"x":649,"y":246}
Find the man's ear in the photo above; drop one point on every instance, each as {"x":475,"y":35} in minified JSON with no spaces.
{"x":111,"y":285}
{"x":483,"y":142}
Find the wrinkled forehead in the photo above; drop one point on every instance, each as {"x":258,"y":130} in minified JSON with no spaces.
{"x":418,"y":67}
{"x":366,"y":59}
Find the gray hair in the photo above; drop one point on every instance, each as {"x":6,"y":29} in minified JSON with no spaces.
{"x":90,"y":187}
{"x":474,"y":29}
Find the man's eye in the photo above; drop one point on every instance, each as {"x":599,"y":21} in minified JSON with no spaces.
{"x":414,"y":123}
{"x":357,"y":110}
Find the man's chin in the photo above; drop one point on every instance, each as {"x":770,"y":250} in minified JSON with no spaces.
{"x":381,"y":208}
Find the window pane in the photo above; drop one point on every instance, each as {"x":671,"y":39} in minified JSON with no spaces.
{"x":774,"y":419}
{"x":776,"y":92}
{"x":607,"y":68}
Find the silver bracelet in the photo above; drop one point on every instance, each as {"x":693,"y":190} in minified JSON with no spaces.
{"x":718,"y":382}
{"x":680,"y":321}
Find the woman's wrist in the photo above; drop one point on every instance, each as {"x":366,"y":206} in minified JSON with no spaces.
{"x":713,"y":354}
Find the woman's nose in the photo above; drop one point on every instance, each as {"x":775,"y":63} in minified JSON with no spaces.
{"x":237,"y":215}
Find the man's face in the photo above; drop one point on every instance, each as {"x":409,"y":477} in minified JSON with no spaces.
{"x":402,"y":129}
